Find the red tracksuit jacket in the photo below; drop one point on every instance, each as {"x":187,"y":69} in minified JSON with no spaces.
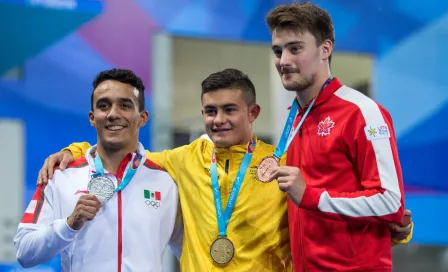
{"x":346,"y":150}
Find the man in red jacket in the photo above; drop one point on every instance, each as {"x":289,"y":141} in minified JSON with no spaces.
{"x":343,"y":176}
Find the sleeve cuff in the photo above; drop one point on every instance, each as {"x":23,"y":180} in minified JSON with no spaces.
{"x":64,"y":231}
{"x":310,"y":199}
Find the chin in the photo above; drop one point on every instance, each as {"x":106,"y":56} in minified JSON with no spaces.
{"x":290,"y":86}
{"x":220,"y":142}
{"x":113,"y":144}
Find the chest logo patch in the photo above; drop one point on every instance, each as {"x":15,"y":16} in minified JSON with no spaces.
{"x":375,"y":132}
{"x":153,"y":199}
{"x":324,"y":127}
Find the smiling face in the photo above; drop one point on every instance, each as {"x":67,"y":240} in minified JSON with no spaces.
{"x":116,"y":115}
{"x":227,"y":117}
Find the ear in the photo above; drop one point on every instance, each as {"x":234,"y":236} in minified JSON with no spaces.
{"x":92,"y":119}
{"x":202,"y":112}
{"x":144,"y":116}
{"x":254,"y":111}
{"x":327,"y":49}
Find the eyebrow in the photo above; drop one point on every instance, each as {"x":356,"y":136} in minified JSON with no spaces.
{"x":223,"y":106}
{"x":122,"y":100}
{"x":288,"y":44}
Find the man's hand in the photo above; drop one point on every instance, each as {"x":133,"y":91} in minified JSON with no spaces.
{"x":59,"y":158}
{"x":398,"y":232}
{"x":85,"y":210}
{"x":290,"y":180}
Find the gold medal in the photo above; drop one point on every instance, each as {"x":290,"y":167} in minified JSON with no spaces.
{"x":266,"y":167}
{"x":222,"y":250}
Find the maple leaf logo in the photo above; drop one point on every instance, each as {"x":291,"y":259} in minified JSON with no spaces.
{"x":324,"y":127}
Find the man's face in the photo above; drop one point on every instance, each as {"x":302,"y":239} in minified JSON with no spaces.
{"x":297,"y":58}
{"x":115,"y":115}
{"x":227,"y":117}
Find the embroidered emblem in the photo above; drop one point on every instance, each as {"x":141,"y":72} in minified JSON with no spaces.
{"x":152,"y":198}
{"x":324,"y":127}
{"x":375,"y":132}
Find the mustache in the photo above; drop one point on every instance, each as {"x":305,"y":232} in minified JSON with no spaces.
{"x":285,"y":70}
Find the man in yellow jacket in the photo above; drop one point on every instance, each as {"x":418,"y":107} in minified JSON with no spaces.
{"x":249,"y":231}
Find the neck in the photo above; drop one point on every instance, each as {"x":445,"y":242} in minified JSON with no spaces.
{"x":306,"y":95}
{"x":111,"y":158}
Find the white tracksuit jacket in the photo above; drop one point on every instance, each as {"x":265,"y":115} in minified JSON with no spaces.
{"x":129,"y":233}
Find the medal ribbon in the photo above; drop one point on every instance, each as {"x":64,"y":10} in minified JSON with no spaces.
{"x":224,"y":216}
{"x":131,"y":170}
{"x":287,"y":137}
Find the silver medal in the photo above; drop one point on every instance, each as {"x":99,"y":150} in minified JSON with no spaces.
{"x":102,"y":187}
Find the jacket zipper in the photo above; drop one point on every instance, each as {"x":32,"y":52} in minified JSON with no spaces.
{"x":119,"y":176}
{"x":120,"y":228}
{"x":300,"y":215}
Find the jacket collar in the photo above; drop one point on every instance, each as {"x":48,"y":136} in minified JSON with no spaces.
{"x":234,"y":148}
{"x":91,"y":154}
{"x":329,"y":90}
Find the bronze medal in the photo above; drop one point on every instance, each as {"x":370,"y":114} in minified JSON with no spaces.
{"x":222,"y":250}
{"x":266,"y":167}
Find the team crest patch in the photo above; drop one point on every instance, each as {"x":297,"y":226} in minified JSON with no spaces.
{"x":375,"y":132}
{"x":324,"y":127}
{"x":152,"y":198}
{"x":253,"y":173}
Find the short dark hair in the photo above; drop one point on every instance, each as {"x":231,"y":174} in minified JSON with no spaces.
{"x":303,"y":17}
{"x":230,"y":79}
{"x":123,"y":76}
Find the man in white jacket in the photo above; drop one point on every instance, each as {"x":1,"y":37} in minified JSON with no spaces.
{"x":112,"y":210}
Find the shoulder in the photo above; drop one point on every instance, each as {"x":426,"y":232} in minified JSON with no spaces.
{"x":263,"y":149}
{"x":154,"y":172}
{"x":358,"y":105}
{"x":75,"y":168}
{"x":152,"y":165}
{"x":200,"y":146}
{"x":78,"y":163}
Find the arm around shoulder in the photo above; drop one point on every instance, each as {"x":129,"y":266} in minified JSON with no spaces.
{"x":77,"y":149}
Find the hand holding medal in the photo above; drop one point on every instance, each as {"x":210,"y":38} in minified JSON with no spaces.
{"x":270,"y":163}
{"x":101,"y":189}
{"x":85,"y":210}
{"x":290,"y":180}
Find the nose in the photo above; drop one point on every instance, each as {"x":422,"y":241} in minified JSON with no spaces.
{"x":220,"y":119}
{"x":113,"y":113}
{"x":285,"y":60}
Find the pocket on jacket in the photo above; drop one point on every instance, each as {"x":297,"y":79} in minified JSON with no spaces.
{"x":334,"y":238}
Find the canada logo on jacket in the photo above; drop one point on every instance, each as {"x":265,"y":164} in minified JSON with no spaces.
{"x":324,"y":127}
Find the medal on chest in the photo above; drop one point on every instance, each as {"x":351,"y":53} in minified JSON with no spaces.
{"x":103,"y":187}
{"x":270,"y":163}
{"x":222,"y":249}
